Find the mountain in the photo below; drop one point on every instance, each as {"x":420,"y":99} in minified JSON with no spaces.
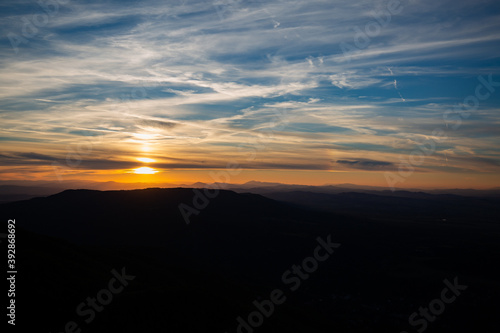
{"x":254,"y":183}
{"x":20,"y":190}
{"x":236,"y":250}
{"x":12,"y":190}
{"x":15,"y":192}
{"x":398,"y":205}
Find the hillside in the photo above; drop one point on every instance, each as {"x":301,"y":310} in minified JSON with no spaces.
{"x":200,"y":277}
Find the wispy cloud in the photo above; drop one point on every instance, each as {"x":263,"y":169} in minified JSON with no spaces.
{"x":205,"y":81}
{"x":365,"y":164}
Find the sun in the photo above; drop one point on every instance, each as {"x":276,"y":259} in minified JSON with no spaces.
{"x":146,"y":160}
{"x":145,"y":171}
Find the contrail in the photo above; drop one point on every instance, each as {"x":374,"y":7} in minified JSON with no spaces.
{"x":395,"y":83}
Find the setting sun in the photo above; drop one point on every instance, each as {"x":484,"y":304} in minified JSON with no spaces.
{"x":145,"y":171}
{"x":146,"y":160}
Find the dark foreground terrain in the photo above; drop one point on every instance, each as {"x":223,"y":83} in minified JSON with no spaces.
{"x":149,"y":271}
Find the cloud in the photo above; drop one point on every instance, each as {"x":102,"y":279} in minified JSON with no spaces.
{"x":365,"y":164}
{"x":353,"y":80}
{"x":163,"y":125}
{"x":35,"y":156}
{"x":209,"y":81}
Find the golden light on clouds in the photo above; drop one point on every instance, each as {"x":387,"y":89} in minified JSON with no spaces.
{"x":145,"y":171}
{"x":145,"y":136}
{"x":146,"y":148}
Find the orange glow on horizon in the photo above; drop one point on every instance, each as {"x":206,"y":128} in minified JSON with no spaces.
{"x":189,"y":176}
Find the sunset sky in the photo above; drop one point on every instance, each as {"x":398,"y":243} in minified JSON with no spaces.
{"x":305,"y":92}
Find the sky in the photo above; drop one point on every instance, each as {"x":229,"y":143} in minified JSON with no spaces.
{"x":387,"y":93}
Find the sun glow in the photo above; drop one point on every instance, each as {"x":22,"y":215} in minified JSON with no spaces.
{"x":146,"y":136}
{"x":146,"y":160}
{"x":145,"y":171}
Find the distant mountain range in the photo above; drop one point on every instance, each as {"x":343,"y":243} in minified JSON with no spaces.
{"x":14,"y":191}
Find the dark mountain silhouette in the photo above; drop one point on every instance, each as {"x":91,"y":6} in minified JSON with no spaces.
{"x":200,"y":277}
{"x":16,"y":190}
{"x":400,"y":205}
